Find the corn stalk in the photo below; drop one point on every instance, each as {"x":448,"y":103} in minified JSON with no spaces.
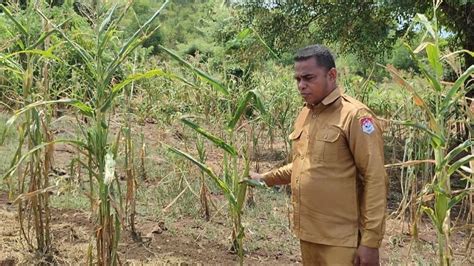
{"x":31,"y":65}
{"x":446,"y":99}
{"x":99,"y":74}
{"x":230,"y":183}
{"x":203,"y":192}
{"x":130,"y":199}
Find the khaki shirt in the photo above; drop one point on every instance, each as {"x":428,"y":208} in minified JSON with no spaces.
{"x":337,"y":175}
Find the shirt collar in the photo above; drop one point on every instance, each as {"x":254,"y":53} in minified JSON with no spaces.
{"x":329,"y":99}
{"x":334,"y":95}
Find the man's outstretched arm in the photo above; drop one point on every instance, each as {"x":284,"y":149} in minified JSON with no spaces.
{"x":280,"y":176}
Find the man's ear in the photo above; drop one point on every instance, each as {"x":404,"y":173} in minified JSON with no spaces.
{"x":332,"y":74}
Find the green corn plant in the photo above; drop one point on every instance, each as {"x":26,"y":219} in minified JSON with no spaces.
{"x":98,"y":70}
{"x":230,"y":183}
{"x":218,"y":87}
{"x":99,"y":74}
{"x":447,"y":98}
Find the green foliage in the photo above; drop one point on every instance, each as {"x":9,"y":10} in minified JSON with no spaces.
{"x":329,"y":23}
{"x":142,"y":10}
{"x":401,"y":59}
{"x":367,"y":30}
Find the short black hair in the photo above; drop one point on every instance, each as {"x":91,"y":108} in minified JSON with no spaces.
{"x":321,"y":53}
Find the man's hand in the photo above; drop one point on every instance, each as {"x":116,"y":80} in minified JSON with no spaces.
{"x":256,"y":176}
{"x":255,"y":180}
{"x":366,"y":256}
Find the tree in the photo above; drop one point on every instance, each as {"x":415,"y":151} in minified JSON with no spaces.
{"x":365,"y":28}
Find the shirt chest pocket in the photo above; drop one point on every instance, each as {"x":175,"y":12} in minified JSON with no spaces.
{"x":326,"y":145}
{"x":297,"y":142}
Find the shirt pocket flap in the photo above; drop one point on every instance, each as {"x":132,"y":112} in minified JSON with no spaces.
{"x":330,"y":134}
{"x":296,"y":134}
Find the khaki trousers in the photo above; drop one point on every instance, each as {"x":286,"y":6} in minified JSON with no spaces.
{"x":317,"y":254}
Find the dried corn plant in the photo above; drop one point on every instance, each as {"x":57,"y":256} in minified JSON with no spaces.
{"x":30,"y":65}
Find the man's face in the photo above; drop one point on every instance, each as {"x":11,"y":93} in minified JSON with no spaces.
{"x":314,"y":82}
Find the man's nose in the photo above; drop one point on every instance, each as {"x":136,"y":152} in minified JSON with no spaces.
{"x":301,"y":85}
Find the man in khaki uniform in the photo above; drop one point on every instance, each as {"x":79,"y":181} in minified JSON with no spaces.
{"x":337,"y":175}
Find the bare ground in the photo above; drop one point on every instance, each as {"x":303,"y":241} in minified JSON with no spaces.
{"x":174,"y":243}
{"x":159,"y":244}
{"x":184,"y":241}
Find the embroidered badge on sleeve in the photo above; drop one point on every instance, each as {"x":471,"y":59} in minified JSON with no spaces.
{"x":367,"y":125}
